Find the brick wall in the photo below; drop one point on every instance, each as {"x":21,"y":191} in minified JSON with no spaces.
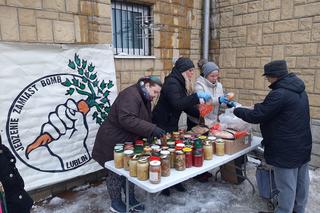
{"x":251,"y":33}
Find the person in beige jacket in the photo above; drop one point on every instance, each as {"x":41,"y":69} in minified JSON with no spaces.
{"x":208,"y":82}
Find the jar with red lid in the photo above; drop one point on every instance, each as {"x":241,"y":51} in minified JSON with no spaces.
{"x":180,"y":146}
{"x":188,"y":156}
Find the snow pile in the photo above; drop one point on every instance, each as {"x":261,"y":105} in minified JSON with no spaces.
{"x":211,"y":197}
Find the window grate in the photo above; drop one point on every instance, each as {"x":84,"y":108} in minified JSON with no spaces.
{"x":129,"y":34}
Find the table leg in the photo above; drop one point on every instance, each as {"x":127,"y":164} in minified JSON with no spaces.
{"x":127,"y":196}
{"x":148,"y":205}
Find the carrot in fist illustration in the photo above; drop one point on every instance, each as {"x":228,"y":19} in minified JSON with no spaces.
{"x":66,"y":124}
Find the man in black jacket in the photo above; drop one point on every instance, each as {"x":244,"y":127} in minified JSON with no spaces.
{"x":285,"y":126}
{"x":17,"y":199}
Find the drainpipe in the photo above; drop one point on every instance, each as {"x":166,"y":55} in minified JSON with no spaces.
{"x":206,"y":29}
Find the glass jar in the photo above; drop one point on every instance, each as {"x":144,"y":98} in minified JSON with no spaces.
{"x":147,"y":150}
{"x":188,"y":155}
{"x":197,"y":159}
{"x":118,"y":157}
{"x":163,"y":140}
{"x":138,"y":147}
{"x":180,"y":146}
{"x":207,"y":150}
{"x":127,"y":155}
{"x":176,"y":135}
{"x":171,"y":144}
{"x":133,"y":166}
{"x":172,"y":157}
{"x":143,"y":169}
{"x":155,"y":171}
{"x":219,"y":147}
{"x":165,"y":163}
{"x":128,"y":146}
{"x":180,"y":161}
{"x":213,"y":140}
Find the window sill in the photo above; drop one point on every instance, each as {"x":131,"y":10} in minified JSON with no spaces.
{"x":135,"y":56}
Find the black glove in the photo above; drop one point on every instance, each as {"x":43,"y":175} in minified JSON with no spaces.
{"x":158,"y":132}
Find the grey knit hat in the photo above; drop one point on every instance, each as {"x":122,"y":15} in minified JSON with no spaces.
{"x":209,"y":67}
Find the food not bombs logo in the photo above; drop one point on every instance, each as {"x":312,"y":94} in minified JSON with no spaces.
{"x":50,"y":108}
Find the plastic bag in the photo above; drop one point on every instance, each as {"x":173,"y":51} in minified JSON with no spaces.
{"x":229,"y":121}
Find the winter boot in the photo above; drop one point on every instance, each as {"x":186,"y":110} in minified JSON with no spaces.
{"x":117,"y":206}
{"x":137,"y":205}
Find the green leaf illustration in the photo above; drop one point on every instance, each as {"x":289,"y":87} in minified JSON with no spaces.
{"x":95,"y":83}
{"x":107,"y":109}
{"x":77,"y":59}
{"x":86,"y":74}
{"x":75,"y":82}
{"x":91,"y":67}
{"x":106,"y":93}
{"x":84,"y":64}
{"x":104,"y":100}
{"x":110,"y":84}
{"x":103,"y":115}
{"x":82,"y":86}
{"x":67,"y":83}
{"x":99,"y":121}
{"x":70,"y":91}
{"x":93,"y":76}
{"x":80,"y":71}
{"x":103,"y":85}
{"x":71,"y":64}
{"x":95,"y":115}
{"x":84,"y":79}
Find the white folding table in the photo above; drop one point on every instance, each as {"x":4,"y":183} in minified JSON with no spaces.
{"x":179,"y":176}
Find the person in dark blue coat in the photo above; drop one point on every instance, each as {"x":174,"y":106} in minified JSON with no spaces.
{"x":17,"y":199}
{"x":285,"y":126}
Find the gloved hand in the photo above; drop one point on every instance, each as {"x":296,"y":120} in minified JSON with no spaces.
{"x":158,"y":132}
{"x":231,"y":104}
{"x":223,"y":100}
{"x":204,"y":95}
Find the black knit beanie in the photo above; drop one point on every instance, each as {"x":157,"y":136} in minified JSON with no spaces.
{"x":276,"y":68}
{"x":183,"y":64}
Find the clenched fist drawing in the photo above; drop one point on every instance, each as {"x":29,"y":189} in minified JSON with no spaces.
{"x":65,"y":134}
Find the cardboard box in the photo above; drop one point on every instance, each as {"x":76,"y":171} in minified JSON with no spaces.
{"x":235,"y":145}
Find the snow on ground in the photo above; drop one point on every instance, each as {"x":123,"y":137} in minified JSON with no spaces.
{"x":211,"y":197}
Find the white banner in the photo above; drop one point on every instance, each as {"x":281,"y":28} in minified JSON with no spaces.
{"x":53,"y":99}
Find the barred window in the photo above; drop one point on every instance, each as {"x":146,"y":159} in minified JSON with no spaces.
{"x":129,"y":36}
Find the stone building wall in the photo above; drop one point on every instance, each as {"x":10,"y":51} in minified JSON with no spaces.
{"x":89,"y":22}
{"x":250,"y":33}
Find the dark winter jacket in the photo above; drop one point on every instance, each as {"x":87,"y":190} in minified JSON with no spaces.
{"x":172,"y":101}
{"x":284,"y":121}
{"x":129,"y":119}
{"x":17,"y":199}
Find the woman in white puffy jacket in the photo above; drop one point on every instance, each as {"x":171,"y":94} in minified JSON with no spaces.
{"x":208,"y":82}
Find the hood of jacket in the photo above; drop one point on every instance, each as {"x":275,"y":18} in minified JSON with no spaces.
{"x":290,"y":82}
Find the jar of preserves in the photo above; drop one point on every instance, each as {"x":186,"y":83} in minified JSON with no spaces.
{"x":172,"y":157}
{"x":133,"y":166}
{"x":202,"y":137}
{"x":155,"y":171}
{"x":128,"y":146}
{"x":163,"y":140}
{"x":207,"y":150}
{"x":127,"y":155}
{"x":213,"y":140}
{"x":138,"y":147}
{"x":171,"y":144}
{"x":197,"y":159}
{"x":118,"y":157}
{"x":180,"y":161}
{"x":176,"y":135}
{"x":188,"y":155}
{"x":180,"y":146}
{"x":143,"y":169}
{"x":165,"y":163}
{"x":147,"y":150}
{"x":219,"y":147}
